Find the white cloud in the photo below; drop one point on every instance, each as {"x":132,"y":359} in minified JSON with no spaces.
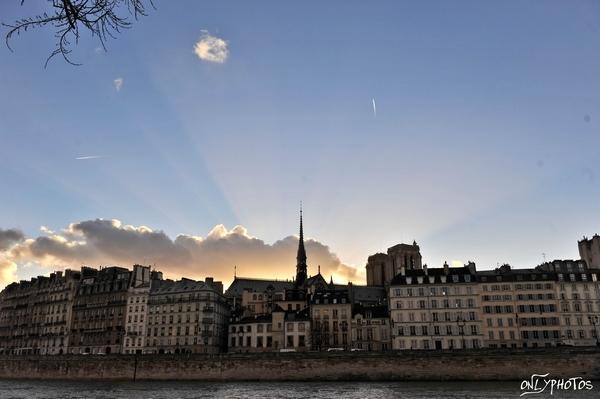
{"x":211,"y":48}
{"x":8,"y":271}
{"x":110,"y":242}
{"x":118,"y":83}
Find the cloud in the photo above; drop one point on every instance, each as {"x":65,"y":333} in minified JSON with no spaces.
{"x":89,"y":157}
{"x":211,"y":48}
{"x":8,"y":271}
{"x":118,"y":83}
{"x":110,"y":242}
{"x":10,"y":237}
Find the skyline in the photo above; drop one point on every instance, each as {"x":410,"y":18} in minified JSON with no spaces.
{"x":470,"y":128}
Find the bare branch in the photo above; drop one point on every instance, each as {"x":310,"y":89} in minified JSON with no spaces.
{"x":102,"y":18}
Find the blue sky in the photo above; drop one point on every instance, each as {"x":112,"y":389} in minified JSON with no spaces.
{"x":485,"y":146}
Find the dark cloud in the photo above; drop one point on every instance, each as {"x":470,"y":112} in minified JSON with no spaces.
{"x":104,"y":242}
{"x":10,"y":237}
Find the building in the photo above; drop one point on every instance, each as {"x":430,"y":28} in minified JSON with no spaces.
{"x":578,"y":292}
{"x":331,"y":316}
{"x":99,"y":309}
{"x":280,"y":330}
{"x":186,"y":316}
{"x":371,"y":329}
{"x":136,"y":312}
{"x":35,"y":315}
{"x":435,"y":308}
{"x":382,"y":268}
{"x":589,"y":251}
{"x":520,"y":308}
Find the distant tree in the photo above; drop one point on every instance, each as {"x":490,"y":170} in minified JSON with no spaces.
{"x":102,"y":18}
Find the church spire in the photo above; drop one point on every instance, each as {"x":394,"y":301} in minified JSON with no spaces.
{"x":301,"y":272}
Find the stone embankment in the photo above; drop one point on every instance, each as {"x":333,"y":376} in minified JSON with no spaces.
{"x":310,"y":366}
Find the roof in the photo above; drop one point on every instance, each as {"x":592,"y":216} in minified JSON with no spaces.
{"x":330,"y":297}
{"x":366,"y":294}
{"x":159,"y":287}
{"x":438,"y":275}
{"x":371,"y":312}
{"x":240,"y":284}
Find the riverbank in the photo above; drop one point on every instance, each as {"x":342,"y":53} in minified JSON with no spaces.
{"x":480,"y":365}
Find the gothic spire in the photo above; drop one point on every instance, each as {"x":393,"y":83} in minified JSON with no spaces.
{"x":301,"y":272}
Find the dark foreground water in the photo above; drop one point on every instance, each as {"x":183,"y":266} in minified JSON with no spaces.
{"x":319,"y":390}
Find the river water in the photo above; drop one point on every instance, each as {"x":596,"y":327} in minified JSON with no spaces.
{"x":319,"y":390}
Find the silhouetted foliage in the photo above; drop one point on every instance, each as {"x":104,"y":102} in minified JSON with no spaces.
{"x":102,"y":18}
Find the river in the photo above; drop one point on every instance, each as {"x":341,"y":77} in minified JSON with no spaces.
{"x":13,"y":389}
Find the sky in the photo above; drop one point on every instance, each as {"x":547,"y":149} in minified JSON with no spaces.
{"x":470,"y":127}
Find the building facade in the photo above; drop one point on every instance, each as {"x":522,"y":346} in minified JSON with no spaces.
{"x":331,"y":317}
{"x":136,"y":312}
{"x":35,"y":315}
{"x":520,"y":308}
{"x":99,"y":308}
{"x":371,"y":329}
{"x":436,"y":309}
{"x":186,"y":316}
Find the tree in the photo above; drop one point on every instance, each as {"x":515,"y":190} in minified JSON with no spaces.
{"x":102,"y":18}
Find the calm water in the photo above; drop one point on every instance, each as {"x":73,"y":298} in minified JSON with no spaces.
{"x":189,"y":390}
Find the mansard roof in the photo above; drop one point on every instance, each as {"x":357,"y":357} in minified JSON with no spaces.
{"x":435,"y":276}
{"x":329,"y":297}
{"x":371,"y":311}
{"x":240,"y":284}
{"x":158,"y":287}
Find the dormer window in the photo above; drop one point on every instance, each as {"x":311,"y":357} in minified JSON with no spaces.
{"x":467,"y":278}
{"x":443,"y":279}
{"x":420,"y":279}
{"x":409,"y":280}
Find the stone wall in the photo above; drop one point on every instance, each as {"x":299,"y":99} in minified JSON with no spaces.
{"x":439,"y":366}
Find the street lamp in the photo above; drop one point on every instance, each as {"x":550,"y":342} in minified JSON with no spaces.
{"x":594,"y":321}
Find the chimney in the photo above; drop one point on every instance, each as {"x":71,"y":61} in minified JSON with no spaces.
{"x":446,"y":268}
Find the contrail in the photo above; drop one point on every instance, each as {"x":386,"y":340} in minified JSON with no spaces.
{"x":90,"y":157}
{"x":374,"y":108}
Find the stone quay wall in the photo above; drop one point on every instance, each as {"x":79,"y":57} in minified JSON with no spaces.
{"x":481,"y":365}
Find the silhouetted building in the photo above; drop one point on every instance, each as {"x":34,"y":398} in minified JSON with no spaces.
{"x":35,"y":315}
{"x":99,"y":310}
{"x":382,"y":268}
{"x":589,"y":250}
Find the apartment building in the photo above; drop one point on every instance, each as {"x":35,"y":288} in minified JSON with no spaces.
{"x":186,"y":316}
{"x":331,"y":316}
{"x":136,"y":310}
{"x":99,"y":308}
{"x":35,"y":315}
{"x":435,"y":308}
{"x":520,"y":308}
{"x":371,"y":329}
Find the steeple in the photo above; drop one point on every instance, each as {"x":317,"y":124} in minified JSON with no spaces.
{"x":301,"y":272}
